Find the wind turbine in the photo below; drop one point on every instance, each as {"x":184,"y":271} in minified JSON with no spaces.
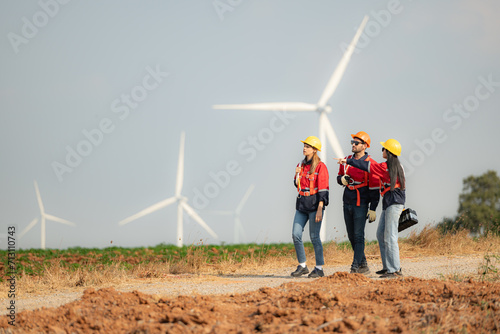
{"x":181,"y":202}
{"x":238,"y":226}
{"x":44,"y":216}
{"x":325,"y":127}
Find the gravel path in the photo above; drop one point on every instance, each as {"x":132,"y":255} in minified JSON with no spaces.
{"x":175,"y":285}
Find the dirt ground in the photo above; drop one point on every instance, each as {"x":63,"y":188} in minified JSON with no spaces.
{"x":339,"y":302}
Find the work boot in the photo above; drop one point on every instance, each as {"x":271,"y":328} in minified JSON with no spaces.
{"x":364,"y":269}
{"x":381,"y":272}
{"x":396,"y":274}
{"x":360,"y":270}
{"x":316,"y":273}
{"x":300,"y":271}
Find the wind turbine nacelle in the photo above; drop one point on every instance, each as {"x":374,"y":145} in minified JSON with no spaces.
{"x":327,"y":109}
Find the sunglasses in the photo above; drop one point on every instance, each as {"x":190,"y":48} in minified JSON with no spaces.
{"x":383,"y":149}
{"x":355,"y":142}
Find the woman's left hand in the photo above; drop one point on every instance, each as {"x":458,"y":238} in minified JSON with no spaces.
{"x":319,"y":215}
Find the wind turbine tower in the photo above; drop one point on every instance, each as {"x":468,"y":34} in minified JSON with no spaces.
{"x":238,"y":226}
{"x":43,"y":216}
{"x":181,"y":203}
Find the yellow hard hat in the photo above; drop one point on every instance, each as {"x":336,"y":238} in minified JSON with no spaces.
{"x":313,"y":141}
{"x":392,"y":145}
{"x":363,"y":136}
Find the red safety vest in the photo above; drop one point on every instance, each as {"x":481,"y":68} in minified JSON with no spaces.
{"x":311,"y":184}
{"x":360,"y":185}
{"x":312,"y":190}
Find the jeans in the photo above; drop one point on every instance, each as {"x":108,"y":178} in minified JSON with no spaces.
{"x":355,"y":221}
{"x":387,"y":236}
{"x":299,"y":223}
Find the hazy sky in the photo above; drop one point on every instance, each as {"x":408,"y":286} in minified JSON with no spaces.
{"x":94,"y":97}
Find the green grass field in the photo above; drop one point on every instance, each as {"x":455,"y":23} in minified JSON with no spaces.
{"x":169,"y":259}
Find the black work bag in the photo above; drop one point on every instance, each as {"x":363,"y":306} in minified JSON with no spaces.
{"x":407,"y":219}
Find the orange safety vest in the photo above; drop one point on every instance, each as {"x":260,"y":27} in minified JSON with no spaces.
{"x":312,"y":190}
{"x":357,"y":186}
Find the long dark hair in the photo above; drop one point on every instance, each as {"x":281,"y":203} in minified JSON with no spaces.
{"x":395,"y":170}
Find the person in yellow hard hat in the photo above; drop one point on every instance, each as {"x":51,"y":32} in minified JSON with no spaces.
{"x":311,"y":181}
{"x":360,"y":199}
{"x":393,"y":191}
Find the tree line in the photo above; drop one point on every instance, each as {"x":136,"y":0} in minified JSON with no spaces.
{"x":479,"y":206}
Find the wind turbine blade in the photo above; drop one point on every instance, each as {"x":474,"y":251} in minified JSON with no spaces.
{"x":59,"y":220}
{"x":341,"y":67}
{"x":152,"y":208}
{"x":180,"y":167}
{"x":330,"y":134}
{"x":198,"y":219}
{"x":272,"y":106}
{"x":222,"y":213}
{"x":29,"y":227}
{"x":244,"y":199}
{"x":39,"y":199}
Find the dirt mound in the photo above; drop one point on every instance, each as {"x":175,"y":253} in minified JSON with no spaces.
{"x":340,"y":303}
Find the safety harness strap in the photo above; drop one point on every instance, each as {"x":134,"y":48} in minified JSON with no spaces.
{"x":312,"y":190}
{"x":384,"y":189}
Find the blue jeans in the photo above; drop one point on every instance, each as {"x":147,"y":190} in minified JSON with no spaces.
{"x":387,"y":236}
{"x":355,"y":221}
{"x":299,"y":223}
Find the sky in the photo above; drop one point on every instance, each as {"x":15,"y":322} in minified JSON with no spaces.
{"x":94,"y":97}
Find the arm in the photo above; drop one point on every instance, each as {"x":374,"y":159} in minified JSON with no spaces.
{"x":360,"y":164}
{"x":323,"y":191}
{"x":341,"y":173}
{"x":342,"y":178}
{"x":319,"y":212}
{"x":374,"y":190}
{"x":370,"y":166}
{"x":298,"y":169}
{"x":374,"y":199}
{"x":323,"y":185}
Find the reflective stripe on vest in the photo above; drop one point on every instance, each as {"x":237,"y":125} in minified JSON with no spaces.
{"x":363,"y":184}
